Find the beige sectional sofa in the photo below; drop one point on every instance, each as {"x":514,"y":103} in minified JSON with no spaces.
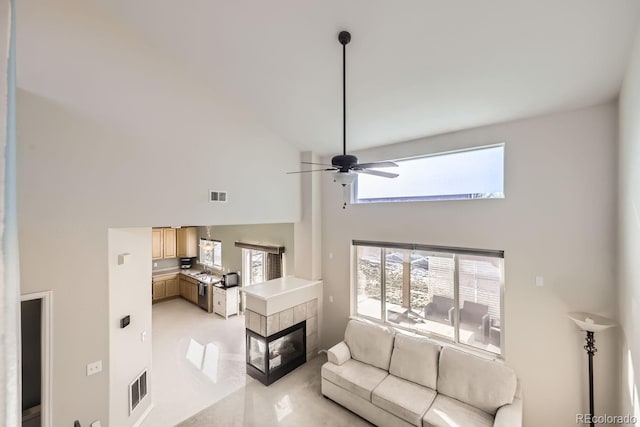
{"x":394,"y":379}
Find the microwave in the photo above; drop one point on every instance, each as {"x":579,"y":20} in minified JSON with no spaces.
{"x":230,"y":280}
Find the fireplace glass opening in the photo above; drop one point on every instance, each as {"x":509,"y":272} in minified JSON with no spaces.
{"x":270,"y":358}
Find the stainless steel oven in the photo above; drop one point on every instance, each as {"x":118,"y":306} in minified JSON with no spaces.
{"x":204,"y":296}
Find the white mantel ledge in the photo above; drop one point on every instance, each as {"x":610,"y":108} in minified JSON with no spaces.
{"x":276,"y":295}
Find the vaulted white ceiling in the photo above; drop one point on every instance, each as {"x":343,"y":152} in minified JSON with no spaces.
{"x":415,"y":67}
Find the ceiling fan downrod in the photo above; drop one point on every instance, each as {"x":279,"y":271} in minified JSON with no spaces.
{"x":344,"y":38}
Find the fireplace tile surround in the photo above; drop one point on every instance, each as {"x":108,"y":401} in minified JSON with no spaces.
{"x":269,"y":325}
{"x":280,"y":315}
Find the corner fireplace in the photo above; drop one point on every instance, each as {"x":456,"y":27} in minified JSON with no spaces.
{"x":270,"y":358}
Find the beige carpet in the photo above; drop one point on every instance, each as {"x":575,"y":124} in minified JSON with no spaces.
{"x":294,"y":400}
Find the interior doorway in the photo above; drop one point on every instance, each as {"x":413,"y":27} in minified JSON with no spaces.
{"x":35,"y":359}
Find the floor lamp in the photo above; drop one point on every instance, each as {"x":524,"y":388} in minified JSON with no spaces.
{"x":590,"y":323}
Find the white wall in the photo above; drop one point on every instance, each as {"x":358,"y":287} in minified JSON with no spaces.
{"x":112,"y":133}
{"x":629,"y":236}
{"x":274,"y":234}
{"x":129,"y":294}
{"x":557,"y":221}
{"x":308,"y":231}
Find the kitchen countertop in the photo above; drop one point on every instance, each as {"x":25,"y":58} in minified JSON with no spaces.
{"x":192,"y":272}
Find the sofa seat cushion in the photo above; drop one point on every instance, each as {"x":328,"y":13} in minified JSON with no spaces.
{"x":403,"y":399}
{"x":415,"y":359}
{"x":356,"y":377}
{"x":370,"y":343}
{"x":448,"y":412}
{"x":484,"y":384}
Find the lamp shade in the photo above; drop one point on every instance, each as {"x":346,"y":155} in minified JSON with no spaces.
{"x":344,"y":178}
{"x":591,"y":322}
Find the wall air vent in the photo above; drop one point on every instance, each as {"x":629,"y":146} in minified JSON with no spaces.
{"x":137,"y":391}
{"x":218,"y":196}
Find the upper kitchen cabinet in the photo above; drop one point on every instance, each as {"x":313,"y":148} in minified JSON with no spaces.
{"x":163,"y":243}
{"x":169,"y":242}
{"x":187,"y":242}
{"x":156,"y":245}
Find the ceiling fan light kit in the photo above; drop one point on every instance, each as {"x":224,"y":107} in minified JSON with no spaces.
{"x":345,"y":166}
{"x":344,"y":178}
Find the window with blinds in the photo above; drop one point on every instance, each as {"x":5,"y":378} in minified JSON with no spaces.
{"x":453,"y":293}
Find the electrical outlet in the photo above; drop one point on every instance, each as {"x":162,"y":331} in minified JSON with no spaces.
{"x":155,"y":264}
{"x":96,"y":424}
{"x":94,"y":368}
{"x":330,"y":298}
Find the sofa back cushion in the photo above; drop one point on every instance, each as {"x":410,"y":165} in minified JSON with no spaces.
{"x":415,"y":359}
{"x":370,"y":343}
{"x":482,"y":383}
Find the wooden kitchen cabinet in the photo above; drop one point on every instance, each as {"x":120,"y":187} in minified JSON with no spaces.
{"x":172,"y":288}
{"x":163,"y":243}
{"x":169,"y":242}
{"x":164,"y":286}
{"x":193,"y":293}
{"x":183,"y":288}
{"x":159,"y":290}
{"x":187,"y":242}
{"x":189,"y":289}
{"x":156,"y":245}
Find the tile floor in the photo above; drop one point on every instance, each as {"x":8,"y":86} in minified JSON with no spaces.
{"x":198,"y":359}
{"x":216,"y":388}
{"x":294,"y":400}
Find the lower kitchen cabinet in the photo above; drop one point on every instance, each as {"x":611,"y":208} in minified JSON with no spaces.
{"x":225,"y":301}
{"x":189,"y":289}
{"x":172,"y":287}
{"x":159,"y":290}
{"x":165,"y":286}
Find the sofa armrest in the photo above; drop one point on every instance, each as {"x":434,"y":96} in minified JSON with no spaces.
{"x":339,"y":353}
{"x":509,"y":415}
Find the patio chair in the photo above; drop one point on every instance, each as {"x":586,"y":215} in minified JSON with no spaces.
{"x":475,"y":317}
{"x":440,"y":310}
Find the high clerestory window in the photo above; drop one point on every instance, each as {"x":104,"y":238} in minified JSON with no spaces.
{"x":453,"y":294}
{"x":476,"y":173}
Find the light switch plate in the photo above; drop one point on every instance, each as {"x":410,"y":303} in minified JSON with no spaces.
{"x":94,"y":368}
{"x":539,"y":281}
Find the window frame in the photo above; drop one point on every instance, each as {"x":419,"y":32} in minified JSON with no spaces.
{"x":456,"y":291}
{"x":247,"y":255}
{"x":444,"y":197}
{"x":217,"y":244}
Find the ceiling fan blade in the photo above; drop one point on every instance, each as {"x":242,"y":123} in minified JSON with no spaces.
{"x":312,"y":170}
{"x":377,"y":165}
{"x":317,"y":164}
{"x":378,"y":173}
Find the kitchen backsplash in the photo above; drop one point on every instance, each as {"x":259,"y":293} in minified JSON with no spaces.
{"x":165,"y":263}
